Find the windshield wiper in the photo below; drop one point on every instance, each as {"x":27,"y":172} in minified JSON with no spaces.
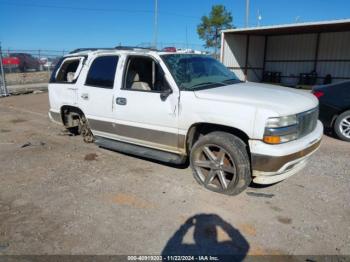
{"x":207,"y":84}
{"x":231,"y":80}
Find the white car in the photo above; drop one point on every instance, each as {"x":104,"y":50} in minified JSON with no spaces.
{"x":186,"y":107}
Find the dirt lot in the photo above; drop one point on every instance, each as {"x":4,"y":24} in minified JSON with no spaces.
{"x":61,"y":196}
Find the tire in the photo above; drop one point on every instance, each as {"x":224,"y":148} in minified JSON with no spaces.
{"x":226,"y":168}
{"x":82,"y":129}
{"x":342,"y":126}
{"x":76,"y":130}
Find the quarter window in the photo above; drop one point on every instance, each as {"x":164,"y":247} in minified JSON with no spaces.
{"x":68,"y":71}
{"x":102,"y":72}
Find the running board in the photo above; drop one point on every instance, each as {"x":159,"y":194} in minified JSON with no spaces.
{"x":140,"y":151}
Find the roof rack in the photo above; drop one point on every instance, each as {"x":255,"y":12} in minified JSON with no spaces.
{"x":115,"y":48}
{"x":120,"y":47}
{"x":89,"y":49}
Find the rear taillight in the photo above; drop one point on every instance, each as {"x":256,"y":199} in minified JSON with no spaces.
{"x":318,"y":94}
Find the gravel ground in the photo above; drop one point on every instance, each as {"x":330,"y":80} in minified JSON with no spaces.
{"x":59,"y":195}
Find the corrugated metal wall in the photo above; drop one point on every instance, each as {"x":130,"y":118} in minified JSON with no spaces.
{"x":234,"y":50}
{"x":234,"y":55}
{"x":256,"y":58}
{"x":289,"y":54}
{"x":334,"y":46}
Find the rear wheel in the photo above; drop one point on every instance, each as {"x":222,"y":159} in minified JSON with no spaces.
{"x":342,"y":126}
{"x":86,"y":131}
{"x":77,"y":124}
{"x":220,"y":163}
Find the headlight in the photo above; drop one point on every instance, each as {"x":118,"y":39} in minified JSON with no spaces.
{"x":281,"y":129}
{"x":282,"y":121}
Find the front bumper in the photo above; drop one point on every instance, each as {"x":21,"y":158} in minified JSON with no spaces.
{"x":274,"y":163}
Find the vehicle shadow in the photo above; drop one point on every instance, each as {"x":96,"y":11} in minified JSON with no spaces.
{"x":212,"y":236}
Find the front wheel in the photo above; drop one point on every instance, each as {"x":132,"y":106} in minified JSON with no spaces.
{"x":220,"y":163}
{"x":342,"y":126}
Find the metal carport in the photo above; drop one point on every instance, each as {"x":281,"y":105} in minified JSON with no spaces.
{"x":320,"y":48}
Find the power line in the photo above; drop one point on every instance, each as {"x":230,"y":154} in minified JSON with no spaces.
{"x":89,"y":9}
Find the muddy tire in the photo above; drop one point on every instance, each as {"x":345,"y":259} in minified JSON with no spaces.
{"x":74,"y":130}
{"x":83,"y":129}
{"x":342,"y":126}
{"x":220,"y":163}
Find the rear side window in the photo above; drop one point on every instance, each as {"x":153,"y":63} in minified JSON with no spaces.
{"x":102,"y":72}
{"x":54,"y":72}
{"x":67,"y":71}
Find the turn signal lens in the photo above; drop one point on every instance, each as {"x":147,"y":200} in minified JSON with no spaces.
{"x":272,"y":139}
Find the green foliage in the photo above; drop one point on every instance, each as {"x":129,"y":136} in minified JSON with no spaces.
{"x":210,"y":26}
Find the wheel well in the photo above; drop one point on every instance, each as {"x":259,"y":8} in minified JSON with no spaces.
{"x":71,"y":115}
{"x":336,"y":116}
{"x":201,"y":129}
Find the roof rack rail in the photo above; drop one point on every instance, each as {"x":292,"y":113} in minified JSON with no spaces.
{"x":120,"y":47}
{"x":89,"y":49}
{"x":115,"y":48}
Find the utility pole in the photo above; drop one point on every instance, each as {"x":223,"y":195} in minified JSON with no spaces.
{"x":155,"y":37}
{"x":3,"y":87}
{"x":246,"y":13}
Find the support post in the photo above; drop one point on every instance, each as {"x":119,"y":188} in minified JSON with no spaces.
{"x":246,"y":59}
{"x":265,"y":52}
{"x":317,"y":50}
{"x":3,"y":87}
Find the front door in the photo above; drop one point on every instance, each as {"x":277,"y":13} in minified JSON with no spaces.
{"x":146,"y":107}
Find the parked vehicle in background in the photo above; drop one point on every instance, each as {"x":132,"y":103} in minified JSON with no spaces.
{"x":20,"y":62}
{"x":11,"y":64}
{"x":170,"y":49}
{"x":185,"y":107}
{"x":48,"y":63}
{"x":334,"y":102}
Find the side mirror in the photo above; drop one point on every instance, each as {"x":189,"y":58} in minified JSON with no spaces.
{"x":164,"y":94}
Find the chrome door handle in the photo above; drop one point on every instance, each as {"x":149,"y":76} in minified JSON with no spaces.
{"x":121,"y":101}
{"x":85,"y":96}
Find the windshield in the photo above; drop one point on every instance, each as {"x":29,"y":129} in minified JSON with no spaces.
{"x":194,"y":72}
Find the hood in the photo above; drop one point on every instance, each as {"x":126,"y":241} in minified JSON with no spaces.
{"x":283,"y":100}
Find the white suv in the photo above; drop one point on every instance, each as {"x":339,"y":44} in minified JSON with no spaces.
{"x":179,"y":107}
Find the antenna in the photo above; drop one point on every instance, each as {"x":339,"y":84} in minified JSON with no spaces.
{"x":259,"y":17}
{"x":186,"y":38}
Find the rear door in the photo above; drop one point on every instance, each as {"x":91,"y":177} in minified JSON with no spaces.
{"x":63,"y":85}
{"x":96,"y":93}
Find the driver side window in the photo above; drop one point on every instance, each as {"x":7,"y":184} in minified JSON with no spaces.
{"x":144,"y":74}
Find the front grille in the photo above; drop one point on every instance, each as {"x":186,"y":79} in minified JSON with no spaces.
{"x":307,"y":122}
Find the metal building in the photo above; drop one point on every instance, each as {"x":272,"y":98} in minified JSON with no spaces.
{"x":292,"y":54}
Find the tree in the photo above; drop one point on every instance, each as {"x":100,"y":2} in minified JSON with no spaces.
{"x":210,"y":26}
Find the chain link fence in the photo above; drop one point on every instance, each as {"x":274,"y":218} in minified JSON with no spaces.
{"x":26,"y":70}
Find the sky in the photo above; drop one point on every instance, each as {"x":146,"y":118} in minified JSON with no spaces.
{"x":70,"y":24}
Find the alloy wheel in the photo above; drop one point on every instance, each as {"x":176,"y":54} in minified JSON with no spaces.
{"x":344,"y":127}
{"x":215,"y":167}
